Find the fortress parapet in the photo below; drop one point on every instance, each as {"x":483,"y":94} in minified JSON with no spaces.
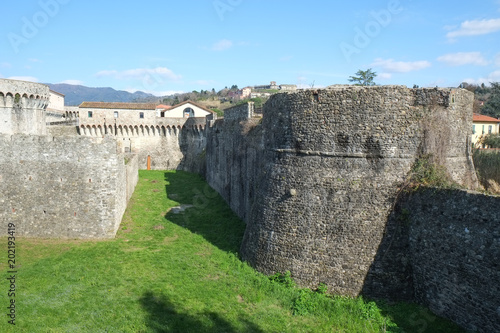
{"x":23,"y":107}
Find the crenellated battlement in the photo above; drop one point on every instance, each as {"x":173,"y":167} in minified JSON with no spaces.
{"x":22,"y":107}
{"x":174,"y":128}
{"x":24,"y":101}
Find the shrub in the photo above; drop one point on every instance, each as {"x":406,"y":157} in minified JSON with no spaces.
{"x":487,"y":164}
{"x":305,"y":303}
{"x":428,"y":173}
{"x":491,"y":140}
{"x":284,"y":279}
{"x":219,"y":112}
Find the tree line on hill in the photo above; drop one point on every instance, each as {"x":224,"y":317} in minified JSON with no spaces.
{"x":487,"y":102}
{"x":487,"y":99}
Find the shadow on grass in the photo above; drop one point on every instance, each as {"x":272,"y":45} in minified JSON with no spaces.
{"x":203,"y":211}
{"x":412,"y":317}
{"x":162,"y":316}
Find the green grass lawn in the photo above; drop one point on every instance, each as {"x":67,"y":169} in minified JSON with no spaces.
{"x":168,"y":272}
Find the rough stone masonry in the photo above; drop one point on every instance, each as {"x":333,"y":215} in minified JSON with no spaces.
{"x":318,"y":178}
{"x":57,"y":187}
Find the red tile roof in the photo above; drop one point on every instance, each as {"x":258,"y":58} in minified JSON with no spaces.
{"x":483,"y":118}
{"x":163,"y":106}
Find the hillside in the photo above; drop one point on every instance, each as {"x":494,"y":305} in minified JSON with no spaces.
{"x":76,"y":94}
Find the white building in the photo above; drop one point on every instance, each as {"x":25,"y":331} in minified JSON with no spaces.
{"x":56,"y":102}
{"x":186,"y":109}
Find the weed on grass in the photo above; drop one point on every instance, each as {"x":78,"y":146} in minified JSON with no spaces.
{"x":178,"y":272}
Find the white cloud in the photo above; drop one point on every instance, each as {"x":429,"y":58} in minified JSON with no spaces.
{"x":34,"y":60}
{"x":497,"y":60}
{"x":73,"y":82}
{"x":5,"y":65}
{"x":475,"y":28}
{"x":24,"y":78}
{"x":286,"y":58}
{"x":492,"y":77}
{"x":384,"y":76}
{"x":222,"y":45}
{"x":391,"y":66}
{"x":463,"y":58}
{"x":148,"y":75}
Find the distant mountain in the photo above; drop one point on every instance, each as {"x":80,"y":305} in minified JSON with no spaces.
{"x":75,"y":95}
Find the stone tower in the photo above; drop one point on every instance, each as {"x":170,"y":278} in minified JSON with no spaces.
{"x":22,"y":107}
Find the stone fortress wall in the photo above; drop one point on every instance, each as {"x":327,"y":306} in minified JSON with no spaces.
{"x":22,"y":107}
{"x":57,"y":187}
{"x":317,"y":181}
{"x":63,"y":187}
{"x":170,"y":143}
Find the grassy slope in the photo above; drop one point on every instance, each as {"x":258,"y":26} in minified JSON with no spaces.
{"x":167,"y":272}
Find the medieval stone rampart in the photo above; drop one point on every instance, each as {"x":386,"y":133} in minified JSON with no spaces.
{"x":22,"y":107}
{"x":317,"y":181}
{"x":454,"y":255}
{"x":239,"y":112}
{"x":57,"y":186}
{"x":333,"y":163}
{"x":234,"y":156}
{"x":64,"y":187}
{"x":170,"y":143}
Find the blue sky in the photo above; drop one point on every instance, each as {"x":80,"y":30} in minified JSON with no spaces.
{"x":178,"y":46}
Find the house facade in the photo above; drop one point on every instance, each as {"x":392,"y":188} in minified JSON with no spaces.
{"x":186,"y":109}
{"x":56,"y":102}
{"x":481,"y":126}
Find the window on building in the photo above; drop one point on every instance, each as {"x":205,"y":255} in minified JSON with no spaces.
{"x":473,"y":129}
{"x":116,"y":114}
{"x":141,"y":115}
{"x":483,"y":130}
{"x":90,"y":114}
{"x":490,"y":129}
{"x":188,"y":112}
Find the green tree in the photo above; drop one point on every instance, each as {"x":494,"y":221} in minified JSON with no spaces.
{"x":492,"y":105}
{"x":363,"y":78}
{"x":491,"y":140}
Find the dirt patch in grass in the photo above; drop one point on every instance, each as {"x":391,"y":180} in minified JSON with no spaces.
{"x":206,"y":252}
{"x":168,"y":240}
{"x":125,"y":229}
